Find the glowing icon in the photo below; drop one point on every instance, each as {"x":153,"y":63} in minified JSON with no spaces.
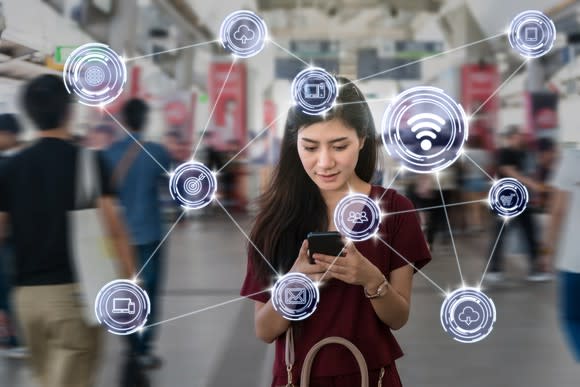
{"x":420,"y":124}
{"x":314,"y":90}
{"x":95,"y":74}
{"x":532,"y":34}
{"x":424,"y":129}
{"x":357,"y":217}
{"x":243,"y":33}
{"x":468,"y":315}
{"x":295,"y":296}
{"x":122,"y":306}
{"x":192,"y":185}
{"x":508,"y":197}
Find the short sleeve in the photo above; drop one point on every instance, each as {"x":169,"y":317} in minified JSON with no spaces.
{"x":407,"y":238}
{"x":252,"y":287}
{"x":105,"y":173}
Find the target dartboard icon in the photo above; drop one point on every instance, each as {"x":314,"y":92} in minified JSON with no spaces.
{"x":192,"y":185}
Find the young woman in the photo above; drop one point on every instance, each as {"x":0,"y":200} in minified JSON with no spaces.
{"x":322,"y":159}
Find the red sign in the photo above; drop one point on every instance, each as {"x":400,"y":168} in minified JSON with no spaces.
{"x":478,"y":83}
{"x":229,"y":117}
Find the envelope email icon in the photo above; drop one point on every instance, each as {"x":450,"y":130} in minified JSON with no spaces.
{"x":295,"y":296}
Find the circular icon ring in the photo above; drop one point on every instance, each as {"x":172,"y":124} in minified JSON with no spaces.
{"x":508,"y":197}
{"x":122,"y":306}
{"x":314,"y":90}
{"x":95,"y":74}
{"x":243,"y":33}
{"x":468,"y":315}
{"x":532,"y":34}
{"x":357,"y":217}
{"x":295,"y":296}
{"x":192,"y":185}
{"x":424,"y":129}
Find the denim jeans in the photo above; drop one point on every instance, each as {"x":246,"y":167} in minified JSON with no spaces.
{"x":151,"y":277}
{"x":570,"y":309}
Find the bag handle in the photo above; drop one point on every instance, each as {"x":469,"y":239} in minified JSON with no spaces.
{"x":309,"y":360}
{"x":126,"y":162}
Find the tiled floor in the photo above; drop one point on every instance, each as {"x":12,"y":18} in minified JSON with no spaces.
{"x":216,"y":347}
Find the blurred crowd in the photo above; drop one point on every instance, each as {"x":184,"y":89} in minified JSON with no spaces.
{"x":37,"y":267}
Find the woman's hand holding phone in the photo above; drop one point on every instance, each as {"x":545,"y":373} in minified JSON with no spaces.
{"x":353,"y":268}
{"x":302,"y":265}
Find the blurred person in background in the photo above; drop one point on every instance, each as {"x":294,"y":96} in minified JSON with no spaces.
{"x":546,"y":159}
{"x":562,"y":242}
{"x":137,"y":176}
{"x":101,"y":137}
{"x":37,"y":192}
{"x":510,"y":163}
{"x":475,"y":183}
{"x":9,"y":132}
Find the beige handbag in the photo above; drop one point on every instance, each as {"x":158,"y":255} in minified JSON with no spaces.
{"x":311,"y":355}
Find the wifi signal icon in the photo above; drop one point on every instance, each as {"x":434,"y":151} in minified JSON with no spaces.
{"x":421,"y":123}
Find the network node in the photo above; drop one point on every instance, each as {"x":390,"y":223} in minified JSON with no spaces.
{"x":192,"y":185}
{"x":295,"y":296}
{"x":314,"y":90}
{"x":532,"y":34}
{"x":122,"y":306}
{"x":425,"y":129}
{"x":357,"y":217}
{"x":243,"y":33}
{"x":468,"y":315}
{"x":508,"y":197}
{"x":95,"y":73}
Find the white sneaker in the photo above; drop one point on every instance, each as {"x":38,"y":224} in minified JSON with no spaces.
{"x":540,"y":276}
{"x":494,"y":277}
{"x":18,"y":353}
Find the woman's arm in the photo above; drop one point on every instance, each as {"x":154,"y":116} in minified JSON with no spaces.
{"x":268,"y":323}
{"x":393,"y":306}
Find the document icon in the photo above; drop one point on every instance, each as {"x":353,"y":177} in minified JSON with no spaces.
{"x":295,"y":296}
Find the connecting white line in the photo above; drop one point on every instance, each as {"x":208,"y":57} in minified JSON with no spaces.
{"x":291,"y":53}
{"x":450,"y":231}
{"x":492,"y":251}
{"x":499,"y":88}
{"x":431,"y":208}
{"x":413,"y":266}
{"x":477,"y":165}
{"x":247,"y":237}
{"x":251,"y":141}
{"x":429,"y":57}
{"x":213,"y":110}
{"x":171,"y":50}
{"x":137,"y":141}
{"x":160,"y":243}
{"x":390,"y":184}
{"x":205,"y":309}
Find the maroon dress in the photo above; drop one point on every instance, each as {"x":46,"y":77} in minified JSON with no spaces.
{"x":344,"y":310}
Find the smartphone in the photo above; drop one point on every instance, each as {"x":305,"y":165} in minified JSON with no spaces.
{"x":328,"y":243}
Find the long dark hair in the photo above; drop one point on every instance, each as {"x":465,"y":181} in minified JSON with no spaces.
{"x":292,"y":206}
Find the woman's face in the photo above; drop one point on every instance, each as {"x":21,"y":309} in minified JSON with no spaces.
{"x":329,"y":153}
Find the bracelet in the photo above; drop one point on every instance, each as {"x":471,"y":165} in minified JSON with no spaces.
{"x":380,"y":289}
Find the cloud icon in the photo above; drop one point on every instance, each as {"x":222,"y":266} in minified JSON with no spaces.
{"x":468,"y":315}
{"x":244,"y":33}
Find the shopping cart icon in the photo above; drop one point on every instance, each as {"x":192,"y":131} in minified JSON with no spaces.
{"x":123,"y":305}
{"x":507,"y":200}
